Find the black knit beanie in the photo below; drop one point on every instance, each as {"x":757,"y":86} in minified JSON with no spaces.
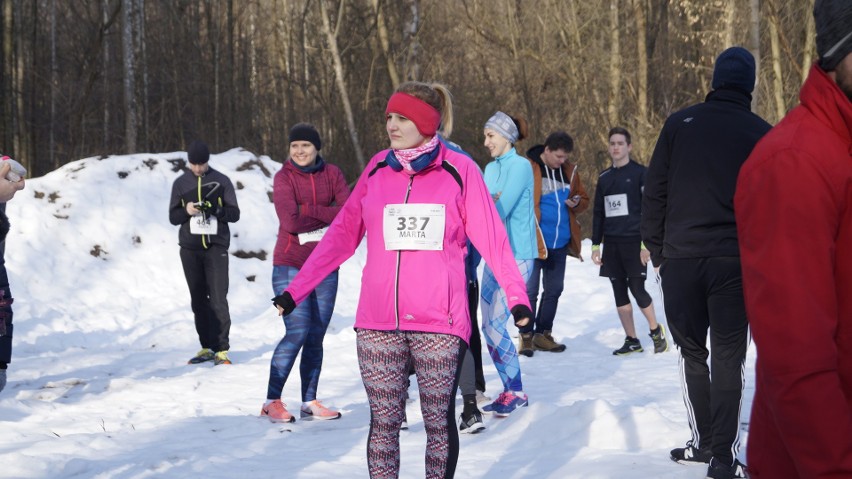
{"x":734,"y":69}
{"x":305,"y":132}
{"x":833,"y":20}
{"x":197,"y":153}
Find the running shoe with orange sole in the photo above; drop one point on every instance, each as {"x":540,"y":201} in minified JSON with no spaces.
{"x":315,"y":410}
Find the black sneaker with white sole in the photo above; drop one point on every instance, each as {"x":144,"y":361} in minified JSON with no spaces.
{"x":690,"y":455}
{"x":720,"y":470}
{"x":471,"y":424}
{"x":631,"y":345}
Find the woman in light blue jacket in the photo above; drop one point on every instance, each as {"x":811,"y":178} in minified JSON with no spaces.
{"x":509,"y":179}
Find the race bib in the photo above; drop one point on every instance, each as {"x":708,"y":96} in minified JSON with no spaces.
{"x":198,"y":225}
{"x":312,"y":236}
{"x":616,"y":205}
{"x":418,"y":226}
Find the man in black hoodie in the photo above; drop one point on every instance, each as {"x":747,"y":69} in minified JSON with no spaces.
{"x":203,"y":202}
{"x":688,"y":226}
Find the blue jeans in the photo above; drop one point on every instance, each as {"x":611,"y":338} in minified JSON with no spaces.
{"x":551,"y":272}
{"x":305,"y":329}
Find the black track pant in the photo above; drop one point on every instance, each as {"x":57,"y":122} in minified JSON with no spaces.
{"x":206,"y":274}
{"x":704,"y":293}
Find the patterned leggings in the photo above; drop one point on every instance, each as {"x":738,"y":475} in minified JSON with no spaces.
{"x":495,"y":314}
{"x":384,"y":360}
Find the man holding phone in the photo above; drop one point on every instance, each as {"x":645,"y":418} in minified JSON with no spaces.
{"x":203,"y":202}
{"x":559,"y":198}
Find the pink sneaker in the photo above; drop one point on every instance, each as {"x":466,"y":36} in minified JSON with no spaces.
{"x":276,"y":411}
{"x":316,"y":410}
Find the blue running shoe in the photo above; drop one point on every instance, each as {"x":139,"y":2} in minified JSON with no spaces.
{"x":507,"y":402}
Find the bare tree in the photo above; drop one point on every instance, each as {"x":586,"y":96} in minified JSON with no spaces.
{"x":775,"y":49}
{"x":331,"y":37}
{"x":131,"y":107}
{"x":614,"y":64}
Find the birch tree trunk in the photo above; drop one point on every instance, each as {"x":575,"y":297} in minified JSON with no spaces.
{"x":730,"y":16}
{"x":614,"y":65}
{"x":341,"y":82}
{"x":642,"y":56}
{"x":410,"y":34}
{"x":384,"y":42}
{"x":807,"y":54}
{"x":778,"y":83}
{"x":130,"y":100}
{"x":754,"y":46}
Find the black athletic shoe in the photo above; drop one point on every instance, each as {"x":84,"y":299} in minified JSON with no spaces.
{"x":201,"y":356}
{"x":691,"y":456}
{"x":718,"y":470}
{"x":631,"y":345}
{"x":471,"y":424}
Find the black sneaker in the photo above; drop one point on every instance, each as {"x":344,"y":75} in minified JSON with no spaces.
{"x":201,"y":356}
{"x":659,"y":338}
{"x":690,"y":456}
{"x":719,"y":470}
{"x":471,"y":424}
{"x":631,"y":345}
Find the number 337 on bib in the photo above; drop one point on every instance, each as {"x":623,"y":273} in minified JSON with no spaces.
{"x":416,"y":226}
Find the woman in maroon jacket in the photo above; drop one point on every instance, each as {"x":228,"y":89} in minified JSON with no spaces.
{"x":308,"y":193}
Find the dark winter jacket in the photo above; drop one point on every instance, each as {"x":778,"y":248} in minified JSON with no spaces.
{"x":615,"y":186}
{"x":688,"y":209}
{"x":305,"y":201}
{"x":5,"y":304}
{"x":794,"y":217}
{"x":214,"y":187}
{"x":558,"y":223}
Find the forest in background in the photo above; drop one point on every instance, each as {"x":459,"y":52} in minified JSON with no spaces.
{"x":99,"y":77}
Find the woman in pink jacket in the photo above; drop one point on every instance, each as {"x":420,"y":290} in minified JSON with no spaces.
{"x":418,"y":203}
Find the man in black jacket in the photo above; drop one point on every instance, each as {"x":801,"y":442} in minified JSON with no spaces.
{"x":203,"y":202}
{"x":688,"y":226}
{"x":617,"y":215}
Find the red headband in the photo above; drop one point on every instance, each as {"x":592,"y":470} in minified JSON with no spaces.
{"x":425,"y":117}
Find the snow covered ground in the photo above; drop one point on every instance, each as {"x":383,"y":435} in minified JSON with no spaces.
{"x":99,"y":386}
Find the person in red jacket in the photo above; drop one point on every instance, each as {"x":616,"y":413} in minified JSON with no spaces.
{"x":793,"y":207}
{"x":308,"y":193}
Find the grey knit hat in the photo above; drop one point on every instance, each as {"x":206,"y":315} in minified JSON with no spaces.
{"x":833,"y":20}
{"x":503,"y":124}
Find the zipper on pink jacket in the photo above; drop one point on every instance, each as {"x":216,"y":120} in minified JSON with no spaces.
{"x":398,"y":254}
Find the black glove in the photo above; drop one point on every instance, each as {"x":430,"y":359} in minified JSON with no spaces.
{"x":203,"y":206}
{"x":521,"y":312}
{"x":218,"y":211}
{"x":285,"y":302}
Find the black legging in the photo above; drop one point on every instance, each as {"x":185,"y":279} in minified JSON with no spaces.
{"x":637,"y":287}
